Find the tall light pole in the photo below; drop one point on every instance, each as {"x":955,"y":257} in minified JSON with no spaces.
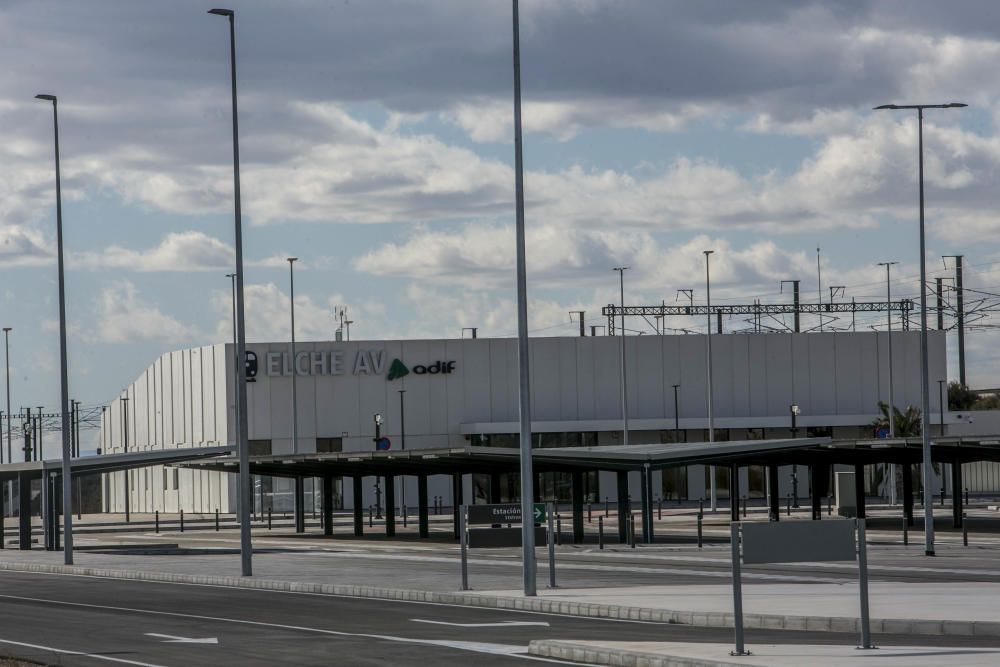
{"x":295,"y":371}
{"x":819,"y":287}
{"x":621,"y":347}
{"x":925,"y":402}
{"x":524,"y":377}
{"x":711,"y":398}
{"x":63,"y":369}
{"x":402,"y":445}
{"x":246,"y":555}
{"x":6,"y":345}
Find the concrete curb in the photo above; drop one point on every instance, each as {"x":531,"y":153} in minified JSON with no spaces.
{"x":597,"y":655}
{"x":541,"y":604}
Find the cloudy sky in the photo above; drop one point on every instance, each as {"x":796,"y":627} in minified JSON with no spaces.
{"x":376,"y":140}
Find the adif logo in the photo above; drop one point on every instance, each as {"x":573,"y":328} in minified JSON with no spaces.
{"x":398,"y":369}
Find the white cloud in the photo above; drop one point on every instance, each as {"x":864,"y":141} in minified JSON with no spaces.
{"x":24,"y":246}
{"x":122,"y":316}
{"x":268,"y":315}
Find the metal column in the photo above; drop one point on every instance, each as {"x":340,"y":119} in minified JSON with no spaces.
{"x":816,"y":474}
{"x":956,"y":493}
{"x":390,"y":505}
{"x":328,"y":504}
{"x":422,"y":520}
{"x":734,"y":493}
{"x":623,"y":506}
{"x":774,"y":500}
{"x":359,"y":518}
{"x":577,"y":483}
{"x":908,"y":493}
{"x":300,"y":505}
{"x":859,"y":488}
{"x":24,"y":511}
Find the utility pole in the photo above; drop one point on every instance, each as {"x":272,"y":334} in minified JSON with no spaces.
{"x":621,"y":346}
{"x":580,"y":314}
{"x":959,"y":316}
{"x":819,"y":287}
{"x":795,"y":302}
{"x":125,"y":450}
{"x":711,"y":398}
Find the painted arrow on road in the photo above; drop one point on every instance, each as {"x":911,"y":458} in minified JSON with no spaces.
{"x":170,"y":639}
{"x":502,"y":624}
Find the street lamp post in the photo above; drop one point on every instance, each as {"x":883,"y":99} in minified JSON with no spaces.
{"x":794,"y":409}
{"x":621,"y":347}
{"x":677,"y":416}
{"x":378,"y":489}
{"x":246,"y":554}
{"x":888,"y":298}
{"x":711,"y":399}
{"x":295,"y":370}
{"x":63,"y":366}
{"x":128,"y":473}
{"x":924,"y":381}
{"x":6,"y":345}
{"x":402,"y":445}
{"x":524,"y":378}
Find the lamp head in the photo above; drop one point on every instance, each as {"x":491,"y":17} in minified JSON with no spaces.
{"x":46,"y":97}
{"x":378,"y":418}
{"x":795,"y":409}
{"x":292,"y":259}
{"x":221,"y":12}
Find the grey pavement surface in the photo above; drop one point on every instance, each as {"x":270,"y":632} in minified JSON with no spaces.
{"x":75,"y":620}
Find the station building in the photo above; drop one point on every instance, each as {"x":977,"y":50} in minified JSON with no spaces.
{"x":433,"y":394}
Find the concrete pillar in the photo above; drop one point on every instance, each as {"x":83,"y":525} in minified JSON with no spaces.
{"x":774,"y":501}
{"x":817,"y":473}
{"x":24,"y":510}
{"x":957,"y":493}
{"x":390,"y":505}
{"x":859,"y":488}
{"x":300,"y":505}
{"x":422,"y":506}
{"x":328,"y":504}
{"x":734,"y":493}
{"x":358,"y":502}
{"x":577,"y":477}
{"x":494,"y":487}
{"x":908,"y":493}
{"x":623,"y":506}
{"x":456,"y":500}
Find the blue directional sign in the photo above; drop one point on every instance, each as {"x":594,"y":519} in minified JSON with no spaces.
{"x":383,"y":444}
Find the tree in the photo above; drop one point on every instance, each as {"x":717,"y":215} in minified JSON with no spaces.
{"x":960,"y":397}
{"x":906,"y":423}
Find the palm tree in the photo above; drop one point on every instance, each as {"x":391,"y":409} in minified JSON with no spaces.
{"x":907,"y":423}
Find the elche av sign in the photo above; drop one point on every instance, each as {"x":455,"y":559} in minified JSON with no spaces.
{"x":339,"y":362}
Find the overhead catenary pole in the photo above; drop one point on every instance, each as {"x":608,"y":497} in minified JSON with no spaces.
{"x":524,"y":388}
{"x":63,"y":364}
{"x":925,"y":431}
{"x":246,"y":556}
{"x":711,"y":398}
{"x":623,"y":376}
{"x":959,"y":316}
{"x":819,"y":287}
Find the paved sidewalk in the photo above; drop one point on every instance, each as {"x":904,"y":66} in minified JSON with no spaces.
{"x":682,"y":654}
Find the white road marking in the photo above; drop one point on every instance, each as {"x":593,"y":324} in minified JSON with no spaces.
{"x":500,"y":624}
{"x":95,"y":656}
{"x":515,"y":651}
{"x":171,"y":639}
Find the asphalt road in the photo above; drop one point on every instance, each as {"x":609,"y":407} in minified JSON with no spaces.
{"x":74,"y":620}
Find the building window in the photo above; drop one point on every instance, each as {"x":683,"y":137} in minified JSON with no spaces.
{"x":176,"y":482}
{"x":260,"y":448}
{"x":329,"y":445}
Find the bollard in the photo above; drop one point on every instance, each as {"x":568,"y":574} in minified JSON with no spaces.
{"x":906,"y":532}
{"x":789,"y":513}
{"x":631,"y":530}
{"x":600,"y":532}
{"x":269,"y":518}
{"x":182,"y":521}
{"x":965,"y":530}
{"x":558,"y":530}
{"x":744,"y":507}
{"x":157,"y":524}
{"x":216,"y":520}
{"x":589,"y":507}
{"x":659,"y":511}
{"x":370,"y":517}
{"x":699,"y":530}
{"x":404,"y":516}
